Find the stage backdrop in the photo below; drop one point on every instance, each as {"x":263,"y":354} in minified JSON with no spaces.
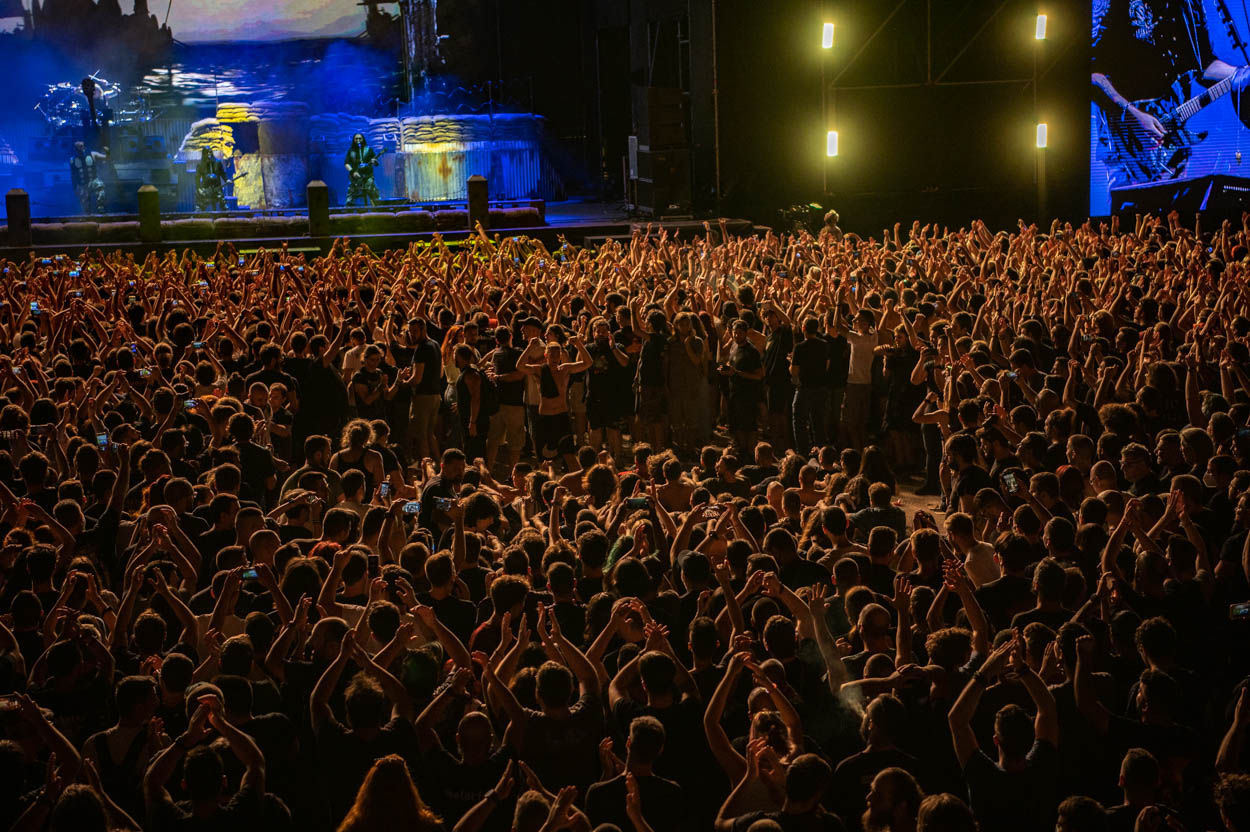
{"x":275,"y":88}
{"x":1168,"y":58}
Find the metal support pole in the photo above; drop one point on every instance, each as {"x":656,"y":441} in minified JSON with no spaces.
{"x":1041,"y":151}
{"x":824,"y":117}
{"x":1041,"y":188}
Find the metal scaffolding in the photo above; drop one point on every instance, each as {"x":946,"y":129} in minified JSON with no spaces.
{"x":831,"y":85}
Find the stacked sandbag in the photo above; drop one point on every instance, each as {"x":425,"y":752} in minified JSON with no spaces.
{"x":207,"y":132}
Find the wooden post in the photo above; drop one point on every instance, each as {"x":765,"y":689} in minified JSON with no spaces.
{"x":479,"y":202}
{"x":149,"y":214}
{"x":318,"y":209}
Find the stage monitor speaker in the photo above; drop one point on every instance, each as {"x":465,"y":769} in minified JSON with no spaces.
{"x":660,"y":116}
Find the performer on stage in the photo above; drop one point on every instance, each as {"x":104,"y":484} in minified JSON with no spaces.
{"x":360,"y":162}
{"x":84,"y":175}
{"x":210,"y":179}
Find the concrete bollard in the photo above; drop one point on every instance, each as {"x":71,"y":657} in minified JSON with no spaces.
{"x":149,"y":214}
{"x":318,"y":209}
{"x":17,"y":204}
{"x":479,"y":201}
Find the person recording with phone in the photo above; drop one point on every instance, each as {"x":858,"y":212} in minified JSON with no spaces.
{"x":446,"y":486}
{"x":300,"y":514}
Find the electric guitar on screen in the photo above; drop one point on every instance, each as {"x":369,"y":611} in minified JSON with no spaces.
{"x":1149,"y":159}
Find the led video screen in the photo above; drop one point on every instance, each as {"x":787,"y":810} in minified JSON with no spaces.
{"x":1170,"y":102}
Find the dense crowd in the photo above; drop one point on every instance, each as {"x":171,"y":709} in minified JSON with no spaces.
{"x":484,"y":536}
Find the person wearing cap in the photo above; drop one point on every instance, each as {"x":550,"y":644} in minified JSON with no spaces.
{"x":1137,"y":465}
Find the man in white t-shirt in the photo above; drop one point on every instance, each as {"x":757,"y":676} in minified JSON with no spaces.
{"x":977,"y":555}
{"x":353,"y":360}
{"x":857,"y":405}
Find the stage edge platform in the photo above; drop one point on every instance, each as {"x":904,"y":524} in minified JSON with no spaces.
{"x":588,"y":233}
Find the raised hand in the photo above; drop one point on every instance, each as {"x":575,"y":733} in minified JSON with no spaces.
{"x":1000,"y":659}
{"x":657,"y":637}
{"x":902,"y":592}
{"x":633,"y":799}
{"x":816,"y":603}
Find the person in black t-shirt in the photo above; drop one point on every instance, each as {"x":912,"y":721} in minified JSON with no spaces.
{"x":745,"y":371}
{"x":1003,"y":598}
{"x":1018,"y":790}
{"x":256,"y":465}
{"x":375,"y":384}
{"x":443,"y":487}
{"x":883,"y":727}
{"x":652,"y":407}
{"x":456,"y":614}
{"x":427,"y":390}
{"x":508,"y":425}
{"x":1049,"y":579}
{"x":608,"y":384}
{"x":839,"y":373}
{"x":806,"y":778}
{"x":969,"y":477}
{"x":204,"y":776}
{"x":281,"y":421}
{"x":663,"y":802}
{"x":472,"y":402}
{"x":271,"y":370}
{"x":810,"y":368}
{"x":780,"y":386}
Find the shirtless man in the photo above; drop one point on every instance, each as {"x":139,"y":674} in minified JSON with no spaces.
{"x":555,"y":427}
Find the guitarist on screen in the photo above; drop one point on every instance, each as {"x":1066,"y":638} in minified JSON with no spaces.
{"x":1150,"y":57}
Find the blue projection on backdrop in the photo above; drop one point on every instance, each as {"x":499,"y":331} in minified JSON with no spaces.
{"x":268,"y":85}
{"x":1130,"y":41}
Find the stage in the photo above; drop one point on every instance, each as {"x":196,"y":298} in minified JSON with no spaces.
{"x":582,"y":223}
